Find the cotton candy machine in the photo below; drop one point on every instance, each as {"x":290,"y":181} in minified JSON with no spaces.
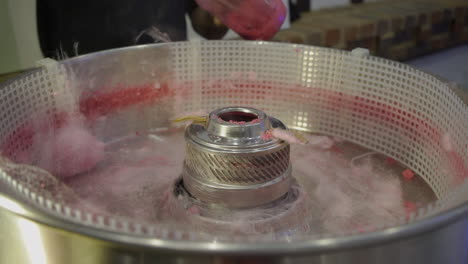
{"x":232,"y":152}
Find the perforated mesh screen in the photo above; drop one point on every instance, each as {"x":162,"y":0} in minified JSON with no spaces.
{"x":42,"y":93}
{"x":380,"y":104}
{"x":383,"y":105}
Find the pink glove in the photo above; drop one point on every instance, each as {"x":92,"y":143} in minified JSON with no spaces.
{"x":251,"y":19}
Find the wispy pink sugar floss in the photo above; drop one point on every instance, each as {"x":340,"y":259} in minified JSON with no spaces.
{"x":267,"y":136}
{"x":446,"y":142}
{"x":285,"y":135}
{"x":408,"y":174}
{"x":322,"y":142}
{"x":255,"y":121}
{"x":347,"y":195}
{"x":237,"y":122}
{"x":135,"y":178}
{"x":71,"y":150}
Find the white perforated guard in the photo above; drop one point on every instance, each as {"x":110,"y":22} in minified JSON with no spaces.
{"x":383,"y":105}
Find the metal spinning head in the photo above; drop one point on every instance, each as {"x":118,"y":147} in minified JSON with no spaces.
{"x":232,"y":161}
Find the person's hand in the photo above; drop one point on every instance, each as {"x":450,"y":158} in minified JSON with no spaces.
{"x":251,"y":19}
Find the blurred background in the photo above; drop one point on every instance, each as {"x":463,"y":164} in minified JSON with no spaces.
{"x":430,"y":34}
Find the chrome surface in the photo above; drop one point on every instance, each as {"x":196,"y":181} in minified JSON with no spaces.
{"x":237,"y":132}
{"x":29,"y":238}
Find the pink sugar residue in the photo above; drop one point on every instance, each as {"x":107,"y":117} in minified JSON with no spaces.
{"x":255,"y":121}
{"x":267,"y":136}
{"x":194,"y":210}
{"x":66,"y":150}
{"x":336,"y":149}
{"x":409,"y":207}
{"x":408,"y":174}
{"x":99,"y":104}
{"x":447,"y":143}
{"x":285,"y":135}
{"x":237,"y":122}
{"x":322,"y":142}
{"x":323,"y":168}
{"x":389,"y":161}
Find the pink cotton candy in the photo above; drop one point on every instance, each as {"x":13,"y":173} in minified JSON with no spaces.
{"x":255,"y":121}
{"x":194,"y":210}
{"x":446,"y":142}
{"x":137,"y":179}
{"x":237,"y":122}
{"x":336,"y":149}
{"x":347,"y":195}
{"x":389,"y":161}
{"x":388,"y":195}
{"x":408,"y":174}
{"x":267,"y":136}
{"x":285,"y":135}
{"x":72,"y":150}
{"x":409,"y":207}
{"x":321,"y":142}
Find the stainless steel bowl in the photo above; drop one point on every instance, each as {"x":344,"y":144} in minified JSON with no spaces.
{"x":36,"y":230}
